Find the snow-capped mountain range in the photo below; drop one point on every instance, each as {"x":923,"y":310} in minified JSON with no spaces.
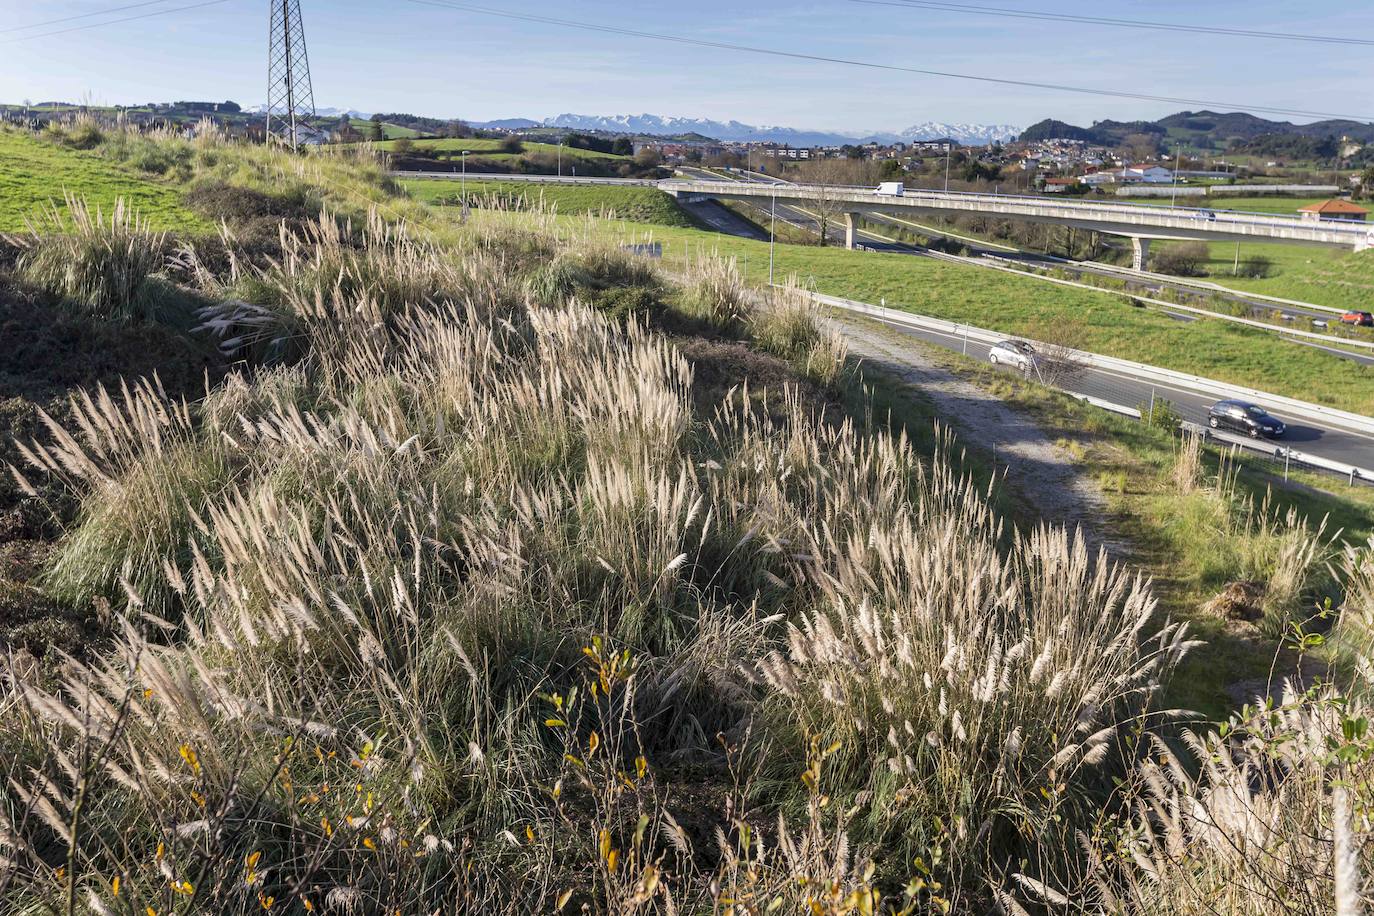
{"x":658,"y":125}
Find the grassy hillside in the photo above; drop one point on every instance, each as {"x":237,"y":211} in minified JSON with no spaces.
{"x":493,"y":569}
{"x":1344,"y":281}
{"x":34,"y":173}
{"x":389,"y":130}
{"x":644,"y":205}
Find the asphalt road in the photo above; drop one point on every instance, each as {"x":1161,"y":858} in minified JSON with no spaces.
{"x":1333,"y":444}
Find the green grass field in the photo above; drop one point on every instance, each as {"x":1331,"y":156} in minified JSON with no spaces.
{"x":1339,"y":279}
{"x":491,"y":149}
{"x":391,"y":131}
{"x":637,"y":204}
{"x":33,"y":172}
{"x":1023,"y":306}
{"x":1286,"y":206}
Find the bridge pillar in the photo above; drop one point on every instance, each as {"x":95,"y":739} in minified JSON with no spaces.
{"x":1140,"y":253}
{"x":851,"y":228}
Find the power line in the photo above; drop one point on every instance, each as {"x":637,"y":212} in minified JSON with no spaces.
{"x":870,"y":65}
{"x":1120,"y":23}
{"x":105,"y":12}
{"x":101,"y":25}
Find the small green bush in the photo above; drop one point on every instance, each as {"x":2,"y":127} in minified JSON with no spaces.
{"x":1162,"y":415}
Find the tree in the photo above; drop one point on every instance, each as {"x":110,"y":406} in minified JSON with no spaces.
{"x":1188,"y":259}
{"x":403,"y":146}
{"x":1367,"y":183}
{"x":1060,"y":358}
{"x":458,"y":129}
{"x":375,"y":130}
{"x":622,"y":146}
{"x":1140,"y":147}
{"x":829,"y":177}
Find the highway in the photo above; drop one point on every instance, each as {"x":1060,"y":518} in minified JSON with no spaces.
{"x":1139,"y":222}
{"x":1323,"y":440}
{"x":1333,"y":444}
{"x":1146,"y":285}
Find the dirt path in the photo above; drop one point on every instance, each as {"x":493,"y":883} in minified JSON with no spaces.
{"x":1043,"y":473}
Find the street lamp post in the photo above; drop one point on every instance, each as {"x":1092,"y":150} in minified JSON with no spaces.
{"x":949,"y":150}
{"x":772,"y":234}
{"x":464,"y":186}
{"x":1178,"y":161}
{"x":560,"y":158}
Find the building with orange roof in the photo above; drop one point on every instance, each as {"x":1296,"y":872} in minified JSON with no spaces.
{"x":1333,"y":209}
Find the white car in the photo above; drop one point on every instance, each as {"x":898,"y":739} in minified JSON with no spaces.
{"x":1015,"y":353}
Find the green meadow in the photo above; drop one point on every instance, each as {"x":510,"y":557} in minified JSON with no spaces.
{"x":637,"y":204}
{"x":33,"y":173}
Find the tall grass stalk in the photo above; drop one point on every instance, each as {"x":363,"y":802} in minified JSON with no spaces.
{"x":103,"y":267}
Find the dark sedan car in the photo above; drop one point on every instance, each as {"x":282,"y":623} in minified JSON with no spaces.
{"x":1243,"y":417}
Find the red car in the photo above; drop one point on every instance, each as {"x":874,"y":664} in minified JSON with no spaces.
{"x":1361,"y":319}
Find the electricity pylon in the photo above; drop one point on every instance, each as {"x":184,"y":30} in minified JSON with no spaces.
{"x":290,"y":98}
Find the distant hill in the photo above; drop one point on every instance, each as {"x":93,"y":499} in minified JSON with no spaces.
{"x":1050,"y":129}
{"x":1207,"y":130}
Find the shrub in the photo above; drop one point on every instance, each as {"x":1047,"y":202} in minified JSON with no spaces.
{"x":105,"y":268}
{"x":1160,"y":413}
{"x":715,"y":293}
{"x":1187,"y":259}
{"x":1256,"y":267}
{"x":81,"y":132}
{"x":1262,"y":816}
{"x":381,"y":575}
{"x":1188,"y":463}
{"x":788,"y":324}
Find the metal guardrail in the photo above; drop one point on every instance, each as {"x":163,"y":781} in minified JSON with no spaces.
{"x":1281,"y":457}
{"x":1020,"y":267}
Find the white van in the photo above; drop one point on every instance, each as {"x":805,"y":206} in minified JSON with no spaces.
{"x":891,"y":189}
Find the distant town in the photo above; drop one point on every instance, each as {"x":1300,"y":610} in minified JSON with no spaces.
{"x":1179,"y":156}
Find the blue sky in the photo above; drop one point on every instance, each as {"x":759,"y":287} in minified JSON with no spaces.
{"x":394,"y":55}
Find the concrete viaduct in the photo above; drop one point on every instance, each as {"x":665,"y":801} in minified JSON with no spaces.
{"x":1141,"y":223}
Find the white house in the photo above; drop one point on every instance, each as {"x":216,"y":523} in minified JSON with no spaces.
{"x":1149,"y":174}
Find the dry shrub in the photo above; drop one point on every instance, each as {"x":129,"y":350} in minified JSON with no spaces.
{"x":344,"y":592}
{"x":714,"y":292}
{"x":1267,"y":816}
{"x":789,"y":324}
{"x":1059,"y":354}
{"x":1354,"y":632}
{"x":1188,"y":469}
{"x":104,"y":268}
{"x":959,"y":685}
{"x":330,"y":287}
